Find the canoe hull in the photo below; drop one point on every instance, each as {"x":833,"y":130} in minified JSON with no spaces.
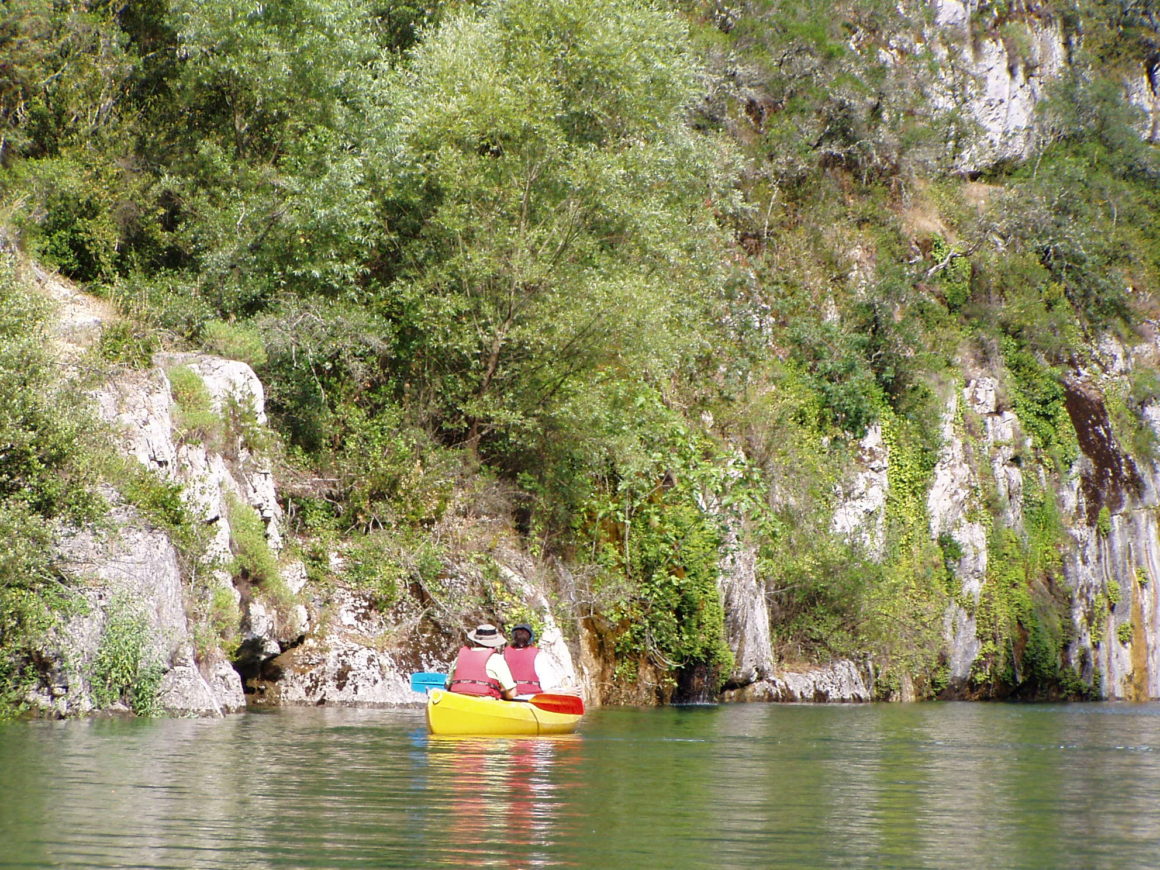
{"x":449,"y":713}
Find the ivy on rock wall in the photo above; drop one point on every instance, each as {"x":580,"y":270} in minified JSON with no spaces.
{"x":655,"y":549}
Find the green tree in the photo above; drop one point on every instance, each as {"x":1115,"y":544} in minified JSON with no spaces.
{"x":561,"y":206}
{"x":64,"y":76}
{"x":263,"y":135}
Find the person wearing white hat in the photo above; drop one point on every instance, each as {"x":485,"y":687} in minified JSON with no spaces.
{"x":480,"y":669}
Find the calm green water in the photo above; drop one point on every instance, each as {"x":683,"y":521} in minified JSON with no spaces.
{"x":938,"y":785}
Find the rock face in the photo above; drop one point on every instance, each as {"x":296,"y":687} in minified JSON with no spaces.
{"x":1113,"y":504}
{"x":949,"y":505}
{"x":348,"y":664}
{"x":140,"y":564}
{"x":332,"y":647}
{"x":361,"y":656}
{"x":743,"y":598}
{"x":1108,"y":502}
{"x":746,"y":614}
{"x":310,"y":644}
{"x":209,"y":476}
{"x":997,"y":67}
{"x":130,"y":576}
{"x":861,"y":501}
{"x":955,"y":502}
{"x":329,"y":645}
{"x":134,"y":596}
{"x":837,"y":682}
{"x":998,"y":74}
{"x":1143,"y":92}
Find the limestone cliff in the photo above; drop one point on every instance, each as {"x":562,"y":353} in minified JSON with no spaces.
{"x":331,"y":645}
{"x":995,"y":65}
{"x":1107,"y":500}
{"x":313,"y":643}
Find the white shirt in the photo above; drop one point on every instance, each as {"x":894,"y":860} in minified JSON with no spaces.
{"x":499,"y":671}
{"x":547,"y":672}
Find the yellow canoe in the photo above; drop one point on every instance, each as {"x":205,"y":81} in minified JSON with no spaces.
{"x":455,"y":714}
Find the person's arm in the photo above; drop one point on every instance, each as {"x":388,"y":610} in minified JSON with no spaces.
{"x":546,"y":673}
{"x":497,"y":666}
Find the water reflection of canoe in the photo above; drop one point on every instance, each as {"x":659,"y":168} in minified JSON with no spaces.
{"x":452,"y":713}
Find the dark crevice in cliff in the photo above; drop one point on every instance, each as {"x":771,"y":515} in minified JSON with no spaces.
{"x":696,"y":684}
{"x":1113,"y":474}
{"x":255,"y":664}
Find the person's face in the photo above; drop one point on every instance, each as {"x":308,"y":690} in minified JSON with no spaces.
{"x":520,"y":638}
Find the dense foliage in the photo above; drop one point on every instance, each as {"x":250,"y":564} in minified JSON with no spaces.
{"x":42,"y":476}
{"x":607,"y":252}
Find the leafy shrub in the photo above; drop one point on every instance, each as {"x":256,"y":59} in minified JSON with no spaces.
{"x":1104,"y":522}
{"x":50,"y":443}
{"x":252,"y":555}
{"x":324,"y":357}
{"x":384,"y":562}
{"x":818,"y":588}
{"x":241,"y":427}
{"x":124,"y":670}
{"x":161,"y":503}
{"x":165,"y":298}
{"x":235,"y":341}
{"x":673,"y":612}
{"x":955,"y":276}
{"x":74,"y":230}
{"x":52,"y":458}
{"x":831,"y":361}
{"x":1023,"y":600}
{"x":1126,"y":404}
{"x":1088,"y":200}
{"x":1098,"y":619}
{"x":1114,"y":594}
{"x":374,"y":568}
{"x":1048,"y":634}
{"x":127,"y":343}
{"x":656,"y":551}
{"x":1038,"y":397}
{"x":224,"y":615}
{"x":952,"y":553}
{"x":1144,"y":386}
{"x":32,"y":595}
{"x":389,"y":472}
{"x":216,"y":620}
{"x":195,"y":417}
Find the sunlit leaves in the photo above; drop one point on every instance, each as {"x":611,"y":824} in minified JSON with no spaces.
{"x":544,"y":147}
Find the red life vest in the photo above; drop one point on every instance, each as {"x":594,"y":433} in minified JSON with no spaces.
{"x":471,"y":676}
{"x":523,"y":665}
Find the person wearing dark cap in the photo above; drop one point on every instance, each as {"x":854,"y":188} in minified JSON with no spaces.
{"x":521,"y":659}
{"x":480,"y":669}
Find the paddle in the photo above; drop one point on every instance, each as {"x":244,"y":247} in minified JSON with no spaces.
{"x":421,"y":682}
{"x":558,"y":703}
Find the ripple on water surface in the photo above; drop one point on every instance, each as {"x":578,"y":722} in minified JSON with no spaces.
{"x":936,"y":785}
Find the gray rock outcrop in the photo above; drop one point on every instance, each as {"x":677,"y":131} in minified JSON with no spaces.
{"x":860,"y":512}
{"x":130,"y":573}
{"x":999,"y":76}
{"x":837,"y":682}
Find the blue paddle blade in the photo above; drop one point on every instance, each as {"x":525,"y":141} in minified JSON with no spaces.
{"x":421,"y":682}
